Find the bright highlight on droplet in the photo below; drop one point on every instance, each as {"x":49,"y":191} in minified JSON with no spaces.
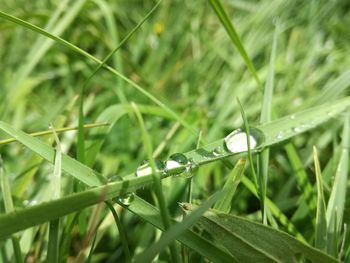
{"x":236,"y":141}
{"x":146,"y":169}
{"x":126,"y":199}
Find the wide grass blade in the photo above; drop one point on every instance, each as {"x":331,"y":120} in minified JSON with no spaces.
{"x":176,"y":230}
{"x":230,"y":186}
{"x":336,"y":202}
{"x":231,"y":31}
{"x":253,"y":242}
{"x":192,"y":240}
{"x":321,"y":222}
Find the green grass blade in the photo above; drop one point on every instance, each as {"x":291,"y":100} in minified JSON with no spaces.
{"x":69,"y":165}
{"x":294,"y":124}
{"x":336,"y":202}
{"x":59,"y":130}
{"x":112,"y":70}
{"x":81,"y":135}
{"x":47,"y":211}
{"x":192,"y":240}
{"x":42,"y":45}
{"x":321,"y":222}
{"x":303,"y":181}
{"x":250,"y":241}
{"x":234,"y":178}
{"x":8,"y":203}
{"x":121,"y":230}
{"x":53,"y":243}
{"x":200,"y":156}
{"x":276,"y":212}
{"x":231,"y":31}
{"x":156,"y":182}
{"x":265,"y":117}
{"x":176,"y":230}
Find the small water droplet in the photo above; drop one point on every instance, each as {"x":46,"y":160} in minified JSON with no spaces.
{"x":114,"y":178}
{"x":126,"y":199}
{"x":292,"y":117}
{"x":189,"y":170}
{"x":146,"y":169}
{"x":330,"y":113}
{"x":30,"y":202}
{"x":218,"y":151}
{"x":296,"y":129}
{"x":236,"y":141}
{"x":279,"y":136}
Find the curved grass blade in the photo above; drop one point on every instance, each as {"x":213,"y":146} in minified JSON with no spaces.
{"x":69,"y":165}
{"x":81,"y":135}
{"x":112,"y":70}
{"x":42,"y":45}
{"x":59,"y":130}
{"x":253,"y":242}
{"x":224,"y":203}
{"x":321,"y":222}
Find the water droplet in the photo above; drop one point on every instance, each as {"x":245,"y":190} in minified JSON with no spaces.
{"x":114,"y":178}
{"x":176,"y":164}
{"x":189,"y":170}
{"x":292,"y":117}
{"x":296,"y":129}
{"x":126,"y":199}
{"x":218,"y":151}
{"x":146,"y":169}
{"x":279,"y":136}
{"x":30,"y":202}
{"x":236,"y":141}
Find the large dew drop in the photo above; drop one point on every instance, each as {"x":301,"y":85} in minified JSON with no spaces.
{"x":236,"y":141}
{"x":146,"y":169}
{"x":126,"y":199}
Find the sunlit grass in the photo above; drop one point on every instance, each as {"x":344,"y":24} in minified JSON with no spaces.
{"x":157,"y":78}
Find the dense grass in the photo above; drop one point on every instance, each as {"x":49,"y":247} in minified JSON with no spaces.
{"x":166,"y":79}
